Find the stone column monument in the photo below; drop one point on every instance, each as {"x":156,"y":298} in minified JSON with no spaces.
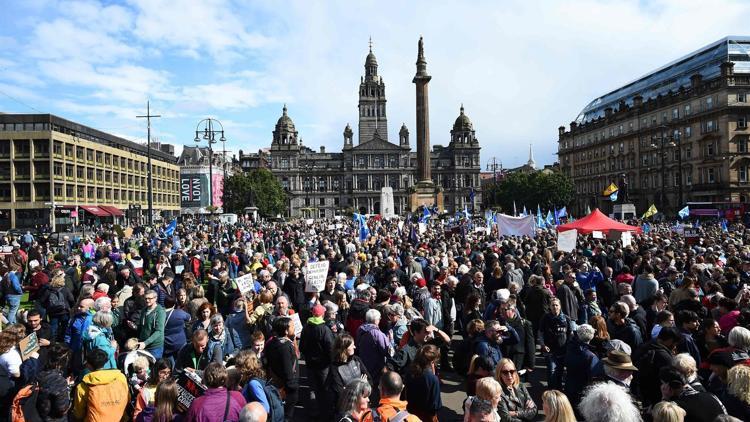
{"x":425,"y":192}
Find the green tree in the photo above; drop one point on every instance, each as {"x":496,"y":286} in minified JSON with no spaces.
{"x":257,"y":188}
{"x":547,"y":190}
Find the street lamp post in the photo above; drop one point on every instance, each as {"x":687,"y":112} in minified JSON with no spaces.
{"x":209,"y":135}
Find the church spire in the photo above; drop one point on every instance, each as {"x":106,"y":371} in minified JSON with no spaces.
{"x":531,"y":162}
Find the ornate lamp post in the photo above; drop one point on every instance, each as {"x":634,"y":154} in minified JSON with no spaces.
{"x":208,"y":133}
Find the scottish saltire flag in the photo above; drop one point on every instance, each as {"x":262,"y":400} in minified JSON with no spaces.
{"x":613,"y":197}
{"x":557,"y":217}
{"x":549,"y":221}
{"x":540,"y":221}
{"x":471,"y":196}
{"x":169,"y":230}
{"x":724,"y":226}
{"x":425,"y":215}
{"x":684,"y":213}
{"x":563,"y":212}
{"x":515,"y":213}
{"x":538,"y":210}
{"x":646,"y":227}
{"x":524,"y":213}
{"x":466,"y":213}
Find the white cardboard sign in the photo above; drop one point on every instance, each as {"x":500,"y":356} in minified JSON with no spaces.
{"x":566,"y":241}
{"x":596,"y":234}
{"x":245,"y":283}
{"x":315,"y":279}
{"x":297,"y":324}
{"x":627,"y":239}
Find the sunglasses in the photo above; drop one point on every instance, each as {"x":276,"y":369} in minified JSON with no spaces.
{"x":508,"y":372}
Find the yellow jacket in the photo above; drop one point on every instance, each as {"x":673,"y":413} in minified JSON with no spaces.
{"x":102,"y":396}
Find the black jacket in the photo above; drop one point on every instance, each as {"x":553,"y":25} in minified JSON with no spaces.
{"x":537,"y":300}
{"x":187,"y":358}
{"x":282,"y":363}
{"x":699,"y":407}
{"x":316,"y":343}
{"x":295,"y":289}
{"x":649,"y":358}
{"x":523,"y":351}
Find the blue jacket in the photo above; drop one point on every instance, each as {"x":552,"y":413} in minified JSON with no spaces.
{"x":97,"y":337}
{"x":175,"y":331}
{"x":228,"y":346}
{"x":14,"y":284}
{"x":491,"y":350}
{"x":77,"y":327}
{"x":589,"y":280}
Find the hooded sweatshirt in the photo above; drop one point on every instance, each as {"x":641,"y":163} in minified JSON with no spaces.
{"x":101,"y":396}
{"x":100,"y":338}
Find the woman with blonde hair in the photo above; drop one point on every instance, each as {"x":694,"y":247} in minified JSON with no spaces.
{"x":516,"y":404}
{"x":736,"y":399}
{"x":556,"y":407}
{"x":667,"y":411}
{"x":489,"y":391}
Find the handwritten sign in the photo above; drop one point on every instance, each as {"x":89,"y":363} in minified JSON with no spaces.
{"x":245,"y":283}
{"x":596,"y":234}
{"x":422,"y":228}
{"x":189,"y":387}
{"x":315,"y":279}
{"x":28,"y":346}
{"x":297,"y":324}
{"x":566,"y":241}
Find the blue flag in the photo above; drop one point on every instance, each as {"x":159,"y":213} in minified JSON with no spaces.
{"x":538,"y":210}
{"x":646,"y":228}
{"x":724,"y":226}
{"x":563,"y":212}
{"x":425,"y":215}
{"x":549,"y":220}
{"x":169,"y":230}
{"x":524,"y":213}
{"x":684,"y":213}
{"x":540,"y":221}
{"x":466,"y":213}
{"x":471,"y":196}
{"x":613,"y":197}
{"x":557,"y":217}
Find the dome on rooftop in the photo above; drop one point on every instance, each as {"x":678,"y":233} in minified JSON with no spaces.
{"x":463,"y":123}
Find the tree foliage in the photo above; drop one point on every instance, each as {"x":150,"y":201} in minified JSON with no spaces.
{"x":547,"y":190}
{"x":258,"y":188}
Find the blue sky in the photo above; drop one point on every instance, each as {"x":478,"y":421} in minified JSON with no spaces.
{"x":520,"y":68}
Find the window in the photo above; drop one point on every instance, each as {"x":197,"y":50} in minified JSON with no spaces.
{"x":688,"y":131}
{"x":622,"y":147}
{"x":675,"y":113}
{"x":711,"y":175}
{"x":686,"y":110}
{"x":742,"y":122}
{"x":688,"y":152}
{"x":676,"y":179}
{"x":709,"y":103}
{"x":664,"y":117}
{"x":688,"y":178}
{"x":322,"y":201}
{"x":742,"y":174}
{"x":741,"y":97}
{"x":742,"y":145}
{"x":710,"y":151}
{"x":69,"y":170}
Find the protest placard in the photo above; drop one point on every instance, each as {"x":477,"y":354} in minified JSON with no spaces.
{"x":189,"y":387}
{"x":245,"y":283}
{"x":596,"y":234}
{"x":297,"y":324}
{"x":566,"y":241}
{"x":422,"y":228}
{"x":315,"y":278}
{"x":627,"y":239}
{"x":28,"y":346}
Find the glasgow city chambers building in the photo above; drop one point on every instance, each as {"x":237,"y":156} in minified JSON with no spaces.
{"x":321,"y":184}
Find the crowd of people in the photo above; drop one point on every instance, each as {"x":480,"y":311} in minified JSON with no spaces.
{"x":154,"y":326}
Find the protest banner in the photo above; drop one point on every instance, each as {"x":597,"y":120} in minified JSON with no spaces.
{"x":566,"y":241}
{"x":245,"y":283}
{"x":28,"y":346}
{"x":596,"y":234}
{"x":315,"y":278}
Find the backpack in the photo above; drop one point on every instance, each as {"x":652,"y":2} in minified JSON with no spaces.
{"x":275,"y":404}
{"x":376,"y":417}
{"x":24,"y":403}
{"x":264,"y":325}
{"x":56,"y":304}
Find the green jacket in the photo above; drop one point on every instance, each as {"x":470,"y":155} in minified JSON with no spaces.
{"x":151,"y":327}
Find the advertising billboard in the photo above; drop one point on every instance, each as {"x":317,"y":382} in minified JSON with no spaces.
{"x":193,"y":190}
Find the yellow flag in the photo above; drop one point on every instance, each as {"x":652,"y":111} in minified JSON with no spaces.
{"x":650,"y":211}
{"x":612,"y":188}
